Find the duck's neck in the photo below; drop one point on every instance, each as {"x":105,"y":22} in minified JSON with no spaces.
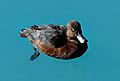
{"x":80,"y":38}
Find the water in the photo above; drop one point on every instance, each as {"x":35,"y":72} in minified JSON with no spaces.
{"x":100,"y":25}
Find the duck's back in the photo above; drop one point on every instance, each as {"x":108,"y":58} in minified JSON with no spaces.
{"x":52,"y":35}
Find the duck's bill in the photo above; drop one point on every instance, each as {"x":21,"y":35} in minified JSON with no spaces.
{"x":80,"y":38}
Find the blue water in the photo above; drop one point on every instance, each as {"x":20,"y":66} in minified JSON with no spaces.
{"x":100,"y":22}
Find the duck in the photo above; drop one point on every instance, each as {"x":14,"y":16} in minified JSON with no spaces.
{"x":58,"y":41}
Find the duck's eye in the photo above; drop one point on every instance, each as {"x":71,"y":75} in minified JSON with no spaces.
{"x":73,"y":29}
{"x":76,"y":28}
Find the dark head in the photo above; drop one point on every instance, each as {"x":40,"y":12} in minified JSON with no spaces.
{"x":75,"y":25}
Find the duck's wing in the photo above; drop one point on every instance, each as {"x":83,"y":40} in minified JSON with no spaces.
{"x":52,"y":35}
{"x":50,"y":27}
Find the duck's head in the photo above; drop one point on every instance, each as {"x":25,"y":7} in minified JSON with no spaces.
{"x":74,"y":30}
{"x":74,"y":26}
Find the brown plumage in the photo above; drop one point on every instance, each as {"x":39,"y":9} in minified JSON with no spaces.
{"x":56,"y":40}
